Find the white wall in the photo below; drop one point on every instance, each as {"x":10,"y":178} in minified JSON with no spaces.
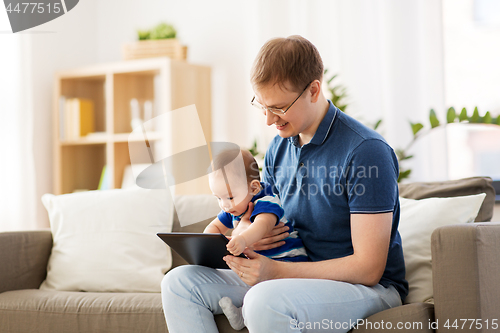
{"x":66,"y":42}
{"x":472,"y":57}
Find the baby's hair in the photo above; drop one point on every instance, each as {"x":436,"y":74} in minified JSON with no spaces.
{"x":225,"y":157}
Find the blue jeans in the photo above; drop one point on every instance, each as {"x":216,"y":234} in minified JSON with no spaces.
{"x":191,"y":294}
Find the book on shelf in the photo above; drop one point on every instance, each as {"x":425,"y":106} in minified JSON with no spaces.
{"x":105,"y":181}
{"x":76,"y":118}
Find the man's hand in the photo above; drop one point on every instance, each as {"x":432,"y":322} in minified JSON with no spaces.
{"x":271,"y":240}
{"x":255,"y":269}
{"x":236,"y":245}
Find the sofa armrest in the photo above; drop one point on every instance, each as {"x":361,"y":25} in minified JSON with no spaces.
{"x":465,"y":271}
{"x":23,"y":259}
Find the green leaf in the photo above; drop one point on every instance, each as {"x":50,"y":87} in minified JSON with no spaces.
{"x":451,"y":115}
{"x":487,"y":118}
{"x":331,"y":79}
{"x":377,"y":124}
{"x":163,"y":31}
{"x":433,"y":119}
{"x":337,"y":93}
{"x":406,"y":158}
{"x":498,"y":120}
{"x":403,"y":174}
{"x":254,"y":151}
{"x":463,"y":115}
{"x":416,"y":128}
{"x":400,"y":154}
{"x":475,"y":116}
{"x":143,"y":34}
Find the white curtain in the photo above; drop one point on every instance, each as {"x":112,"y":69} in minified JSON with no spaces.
{"x":17,"y":176}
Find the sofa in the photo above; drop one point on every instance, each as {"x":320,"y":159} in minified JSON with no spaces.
{"x":465,"y":270}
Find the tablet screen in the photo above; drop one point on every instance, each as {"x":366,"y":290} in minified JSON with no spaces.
{"x":199,"y":248}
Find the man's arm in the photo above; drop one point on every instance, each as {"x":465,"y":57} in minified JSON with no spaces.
{"x":370,"y":235}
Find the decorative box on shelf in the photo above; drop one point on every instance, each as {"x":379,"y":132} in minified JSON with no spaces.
{"x":171,"y":48}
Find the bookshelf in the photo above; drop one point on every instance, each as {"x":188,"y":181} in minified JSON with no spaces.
{"x":169,"y":84}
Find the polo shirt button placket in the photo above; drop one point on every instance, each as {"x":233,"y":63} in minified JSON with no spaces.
{"x":300,"y":175}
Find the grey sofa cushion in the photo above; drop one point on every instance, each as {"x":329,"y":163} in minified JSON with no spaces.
{"x":59,"y":311}
{"x":23,"y":259}
{"x":455,"y":188}
{"x":41,"y":311}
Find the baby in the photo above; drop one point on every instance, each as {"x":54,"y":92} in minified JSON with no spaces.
{"x":235,"y":182}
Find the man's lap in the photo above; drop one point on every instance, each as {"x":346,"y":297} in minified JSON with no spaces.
{"x":296,"y":303}
{"x":300,"y":299}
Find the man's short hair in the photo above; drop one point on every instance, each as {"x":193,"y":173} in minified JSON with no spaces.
{"x":293,"y":59}
{"x":225,"y":157}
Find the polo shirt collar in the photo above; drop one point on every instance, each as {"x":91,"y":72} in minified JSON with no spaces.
{"x":323,"y":128}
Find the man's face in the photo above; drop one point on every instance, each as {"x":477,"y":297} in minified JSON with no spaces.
{"x":296,"y":120}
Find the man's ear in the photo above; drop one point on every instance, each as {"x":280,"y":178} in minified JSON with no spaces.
{"x":255,"y":186}
{"x":315,"y":89}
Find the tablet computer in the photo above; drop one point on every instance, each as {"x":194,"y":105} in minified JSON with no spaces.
{"x":199,"y":248}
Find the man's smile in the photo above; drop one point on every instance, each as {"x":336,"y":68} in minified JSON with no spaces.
{"x":280,"y":126}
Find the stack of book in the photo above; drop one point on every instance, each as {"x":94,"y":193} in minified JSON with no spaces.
{"x":76,"y":118}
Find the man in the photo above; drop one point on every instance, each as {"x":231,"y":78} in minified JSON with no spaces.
{"x":337,"y":181}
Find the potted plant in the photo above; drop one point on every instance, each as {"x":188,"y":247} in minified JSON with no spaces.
{"x":159,"y":41}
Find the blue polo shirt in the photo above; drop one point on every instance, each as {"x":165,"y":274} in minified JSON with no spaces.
{"x":345,"y":169}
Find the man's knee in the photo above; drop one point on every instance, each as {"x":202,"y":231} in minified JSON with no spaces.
{"x":265,"y":300}
{"x":176,"y":280}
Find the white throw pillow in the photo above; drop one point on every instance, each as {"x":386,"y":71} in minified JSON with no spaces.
{"x":106,"y":241}
{"x":418,"y":220}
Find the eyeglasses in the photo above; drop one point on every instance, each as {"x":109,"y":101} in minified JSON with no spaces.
{"x":277,"y":111}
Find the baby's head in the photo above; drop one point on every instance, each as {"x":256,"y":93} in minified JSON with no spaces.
{"x":235,"y":179}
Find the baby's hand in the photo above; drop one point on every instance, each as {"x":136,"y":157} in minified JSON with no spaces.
{"x":236,"y":245}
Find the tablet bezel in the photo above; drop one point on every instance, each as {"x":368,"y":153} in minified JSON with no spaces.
{"x":205,"y":249}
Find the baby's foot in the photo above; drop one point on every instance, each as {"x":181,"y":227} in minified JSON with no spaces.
{"x":232,"y":313}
